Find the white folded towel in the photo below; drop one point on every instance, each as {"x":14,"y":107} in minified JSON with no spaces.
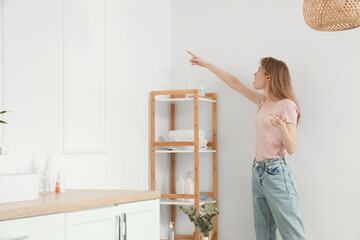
{"x":202,"y":146}
{"x":185,"y":135}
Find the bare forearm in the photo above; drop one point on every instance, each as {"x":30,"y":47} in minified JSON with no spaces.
{"x":288,"y":141}
{"x":228,"y":78}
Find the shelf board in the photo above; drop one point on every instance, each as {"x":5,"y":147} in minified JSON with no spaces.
{"x":183,"y":100}
{"x":184,"y":151}
{"x":179,"y":202}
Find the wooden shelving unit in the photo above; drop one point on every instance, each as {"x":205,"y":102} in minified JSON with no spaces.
{"x":175,"y":97}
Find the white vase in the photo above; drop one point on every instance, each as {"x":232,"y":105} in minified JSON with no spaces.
{"x":206,"y":238}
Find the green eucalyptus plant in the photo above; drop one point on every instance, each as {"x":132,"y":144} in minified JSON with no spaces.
{"x":204,"y":219}
{"x":1,"y":120}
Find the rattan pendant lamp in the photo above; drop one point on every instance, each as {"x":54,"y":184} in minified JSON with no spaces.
{"x":332,"y":15}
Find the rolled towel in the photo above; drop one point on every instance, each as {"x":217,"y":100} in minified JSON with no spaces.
{"x":185,"y":135}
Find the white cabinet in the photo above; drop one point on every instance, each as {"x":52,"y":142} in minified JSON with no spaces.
{"x":47,"y":227}
{"x":95,"y":224}
{"x":130,"y":221}
{"x":142,"y":220}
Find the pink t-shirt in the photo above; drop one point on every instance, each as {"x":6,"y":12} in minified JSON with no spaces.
{"x":268,"y":141}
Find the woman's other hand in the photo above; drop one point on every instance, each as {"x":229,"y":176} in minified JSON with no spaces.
{"x":277,"y":122}
{"x":287,"y":133}
{"x":195,"y":60}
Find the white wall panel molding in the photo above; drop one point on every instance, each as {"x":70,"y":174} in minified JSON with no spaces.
{"x":1,"y":71}
{"x":84,"y":77}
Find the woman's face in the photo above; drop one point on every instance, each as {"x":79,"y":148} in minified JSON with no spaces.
{"x":260,"y":79}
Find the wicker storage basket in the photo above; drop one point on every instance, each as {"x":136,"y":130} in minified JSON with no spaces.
{"x":332,"y":15}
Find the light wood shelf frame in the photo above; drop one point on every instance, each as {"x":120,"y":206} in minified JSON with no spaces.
{"x":179,"y":96}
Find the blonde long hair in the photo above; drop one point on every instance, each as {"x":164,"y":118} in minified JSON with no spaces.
{"x":280,"y":84}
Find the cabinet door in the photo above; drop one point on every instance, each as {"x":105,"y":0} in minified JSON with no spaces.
{"x":142,"y":220}
{"x":94,"y":224}
{"x":47,"y":227}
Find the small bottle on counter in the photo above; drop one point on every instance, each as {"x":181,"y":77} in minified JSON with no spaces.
{"x":50,"y":169}
{"x":61,"y":179}
{"x":45,"y":181}
{"x":57,"y":185}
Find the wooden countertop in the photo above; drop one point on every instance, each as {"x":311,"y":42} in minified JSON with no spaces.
{"x":72,"y":200}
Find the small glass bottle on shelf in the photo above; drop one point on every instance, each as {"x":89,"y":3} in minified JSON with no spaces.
{"x":188,"y":86}
{"x":202,"y":91}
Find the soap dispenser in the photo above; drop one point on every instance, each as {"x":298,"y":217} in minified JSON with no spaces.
{"x":171,"y":233}
{"x":180,"y":183}
{"x":189,"y":186}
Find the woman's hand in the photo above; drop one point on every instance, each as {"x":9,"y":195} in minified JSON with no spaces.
{"x":287,"y":133}
{"x":277,"y":122}
{"x":195,"y":60}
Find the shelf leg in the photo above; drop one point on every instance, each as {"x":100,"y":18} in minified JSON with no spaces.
{"x":173,"y":172}
{"x":196,"y":156}
{"x":215,"y":179}
{"x":152,"y":141}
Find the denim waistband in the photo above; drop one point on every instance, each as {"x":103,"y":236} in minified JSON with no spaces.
{"x":269,"y":162}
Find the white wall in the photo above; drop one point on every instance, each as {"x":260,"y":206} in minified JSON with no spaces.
{"x":325,"y":73}
{"x":79,"y":73}
{"x":232,"y":34}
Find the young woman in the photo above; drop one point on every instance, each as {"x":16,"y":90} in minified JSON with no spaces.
{"x":275,"y":200}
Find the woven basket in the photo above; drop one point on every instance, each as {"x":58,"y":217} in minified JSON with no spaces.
{"x":332,"y":15}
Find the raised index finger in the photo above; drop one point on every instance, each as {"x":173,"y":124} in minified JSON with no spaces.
{"x":191,"y":53}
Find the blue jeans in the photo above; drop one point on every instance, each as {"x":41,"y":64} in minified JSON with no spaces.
{"x":275,"y":201}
